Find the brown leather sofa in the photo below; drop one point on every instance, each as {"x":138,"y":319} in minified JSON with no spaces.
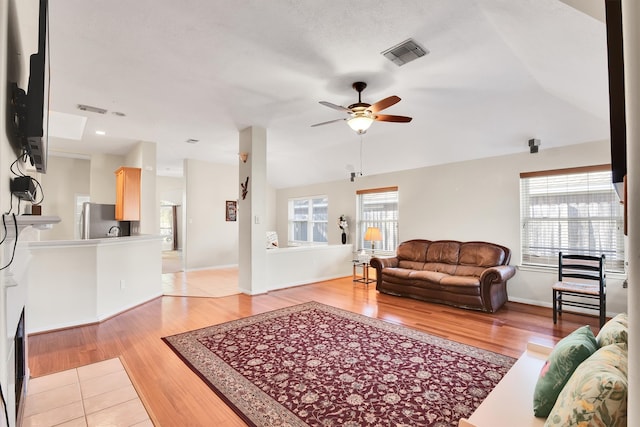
{"x":463,"y":274}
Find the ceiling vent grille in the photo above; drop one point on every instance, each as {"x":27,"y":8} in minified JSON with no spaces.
{"x":404,"y":52}
{"x":91,"y":109}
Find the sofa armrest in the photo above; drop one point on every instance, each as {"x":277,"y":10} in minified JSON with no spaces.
{"x":380,"y":263}
{"x":498,"y":274}
{"x":493,"y":286}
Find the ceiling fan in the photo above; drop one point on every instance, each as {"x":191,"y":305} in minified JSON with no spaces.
{"x":361,"y":114}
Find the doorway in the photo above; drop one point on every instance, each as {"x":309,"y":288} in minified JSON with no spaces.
{"x":171,"y":242}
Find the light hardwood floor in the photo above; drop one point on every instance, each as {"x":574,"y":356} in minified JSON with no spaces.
{"x":175,"y":396}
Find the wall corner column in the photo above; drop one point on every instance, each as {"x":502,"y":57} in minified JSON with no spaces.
{"x":252,"y":257}
{"x":631,"y":41}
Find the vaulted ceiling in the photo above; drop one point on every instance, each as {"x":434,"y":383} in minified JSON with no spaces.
{"x":498,"y":73}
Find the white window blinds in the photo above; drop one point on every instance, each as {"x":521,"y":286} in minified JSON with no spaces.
{"x":378,"y":208}
{"x":574,"y":211}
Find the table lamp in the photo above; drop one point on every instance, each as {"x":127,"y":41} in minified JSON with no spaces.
{"x":372,"y":235}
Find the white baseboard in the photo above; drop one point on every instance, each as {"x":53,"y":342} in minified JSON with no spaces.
{"x":550,"y":305}
{"x":212,"y":267}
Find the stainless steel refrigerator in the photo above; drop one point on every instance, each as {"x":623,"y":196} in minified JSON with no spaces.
{"x":98,"y":221}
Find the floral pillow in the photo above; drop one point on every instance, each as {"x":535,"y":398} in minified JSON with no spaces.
{"x":596,"y":393}
{"x":563,"y":360}
{"x":614,"y":331}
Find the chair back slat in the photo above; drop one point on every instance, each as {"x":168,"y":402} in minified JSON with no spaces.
{"x":582,"y":257}
{"x":585,"y":268}
{"x":581,"y":276}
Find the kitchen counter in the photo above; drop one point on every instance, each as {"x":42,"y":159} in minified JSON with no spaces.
{"x":77,"y":282}
{"x":91,"y":242}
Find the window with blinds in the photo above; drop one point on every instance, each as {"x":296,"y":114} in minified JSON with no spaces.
{"x":308,"y":219}
{"x":575,"y":211}
{"x":378,"y":208}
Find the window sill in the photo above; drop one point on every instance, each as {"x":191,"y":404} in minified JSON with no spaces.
{"x":554,"y":270}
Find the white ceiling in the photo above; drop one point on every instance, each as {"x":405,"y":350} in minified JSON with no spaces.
{"x":499,"y":73}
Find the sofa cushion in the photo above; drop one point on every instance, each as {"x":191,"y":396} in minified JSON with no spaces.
{"x":402,"y":273}
{"x":614,"y":331}
{"x":413,"y":250}
{"x":563,"y":360}
{"x":427,"y":275}
{"x":596,"y":393}
{"x":461,"y":281}
{"x":443,"y":251}
{"x":440,"y":267}
{"x":412,"y":265}
{"x":622,"y":318}
{"x":481,"y":254}
{"x":469,"y":270}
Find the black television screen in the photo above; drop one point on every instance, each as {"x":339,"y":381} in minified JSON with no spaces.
{"x":38,"y":95}
{"x":30,"y":109}
{"x":617,"y":119}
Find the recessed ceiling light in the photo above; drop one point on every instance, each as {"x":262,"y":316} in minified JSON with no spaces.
{"x":100,"y":132}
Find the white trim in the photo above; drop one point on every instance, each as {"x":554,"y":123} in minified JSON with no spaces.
{"x":212,"y":267}
{"x":550,"y":305}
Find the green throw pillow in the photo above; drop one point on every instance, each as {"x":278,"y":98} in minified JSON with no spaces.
{"x":614,"y":331}
{"x":596,"y":393}
{"x":563,"y":360}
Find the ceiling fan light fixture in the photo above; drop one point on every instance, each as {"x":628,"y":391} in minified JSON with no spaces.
{"x":360,"y":123}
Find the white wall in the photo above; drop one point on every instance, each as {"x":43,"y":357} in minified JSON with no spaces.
{"x":22,"y":37}
{"x":65,"y":178}
{"x":210,"y":240}
{"x":170,"y":189}
{"x":143,"y":156}
{"x":631,"y":17}
{"x":473,"y":200}
{"x":102,"y":180}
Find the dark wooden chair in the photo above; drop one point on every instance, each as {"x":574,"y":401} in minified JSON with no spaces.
{"x":588,"y":292}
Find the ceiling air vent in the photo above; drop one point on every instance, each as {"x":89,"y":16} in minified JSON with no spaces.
{"x":91,"y":109}
{"x":192,"y":141}
{"x":404,"y":52}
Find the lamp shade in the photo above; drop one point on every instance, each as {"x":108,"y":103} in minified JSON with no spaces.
{"x":372,"y":234}
{"x":360,"y":123}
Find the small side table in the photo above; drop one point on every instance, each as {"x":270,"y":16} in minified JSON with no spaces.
{"x":364,"y":278}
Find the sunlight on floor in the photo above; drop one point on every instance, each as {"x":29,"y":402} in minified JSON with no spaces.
{"x":214,"y":283}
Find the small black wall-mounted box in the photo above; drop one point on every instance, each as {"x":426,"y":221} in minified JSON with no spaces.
{"x":23,"y":188}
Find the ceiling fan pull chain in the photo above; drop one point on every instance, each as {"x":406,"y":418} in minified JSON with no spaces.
{"x":360,"y":154}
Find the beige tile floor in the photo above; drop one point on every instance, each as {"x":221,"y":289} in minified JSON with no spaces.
{"x":100,"y":394}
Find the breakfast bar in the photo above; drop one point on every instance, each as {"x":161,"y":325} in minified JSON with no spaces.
{"x":77,"y":282}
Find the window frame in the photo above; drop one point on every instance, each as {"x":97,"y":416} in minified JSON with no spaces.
{"x":389,"y":227}
{"x":311,"y":222}
{"x":583,"y":194}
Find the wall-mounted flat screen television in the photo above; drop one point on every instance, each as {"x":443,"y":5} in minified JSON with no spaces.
{"x":617,"y":119}
{"x":31,"y":108}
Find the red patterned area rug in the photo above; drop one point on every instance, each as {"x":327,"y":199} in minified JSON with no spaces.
{"x":316,"y":365}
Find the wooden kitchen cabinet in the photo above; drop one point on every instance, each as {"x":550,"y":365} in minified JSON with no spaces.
{"x":128,"y":194}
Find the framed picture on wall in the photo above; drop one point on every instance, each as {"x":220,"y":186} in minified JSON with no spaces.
{"x":231,"y":210}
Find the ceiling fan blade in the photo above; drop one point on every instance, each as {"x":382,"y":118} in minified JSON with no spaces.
{"x":326,"y":123}
{"x":384,"y":103}
{"x":335,"y":107}
{"x":390,"y":118}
